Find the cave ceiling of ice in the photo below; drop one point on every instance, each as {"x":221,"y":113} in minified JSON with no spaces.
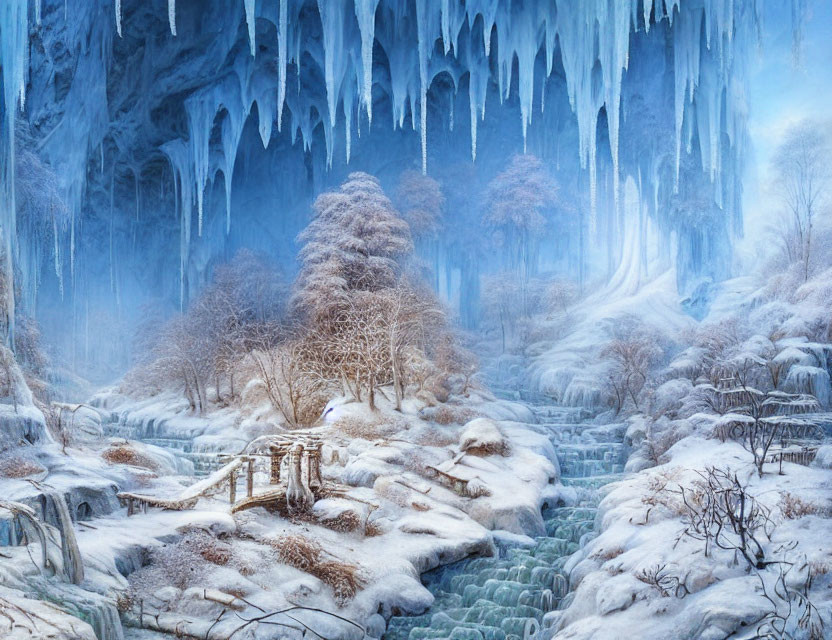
{"x":181,"y":130}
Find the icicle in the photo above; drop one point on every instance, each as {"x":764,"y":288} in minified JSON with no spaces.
{"x":282,"y":47}
{"x":365,"y":12}
{"x":265,"y":110}
{"x":348,"y":104}
{"x":451,"y":113}
{"x":118,"y":17}
{"x":38,"y":11}
{"x":112,"y":224}
{"x":686,"y":38}
{"x":14,"y":31}
{"x":332,"y":22}
{"x":201,"y":111}
{"x":424,"y":21}
{"x":172,"y":16}
{"x":478,"y":75}
{"x":250,"y":22}
{"x":232,"y":131}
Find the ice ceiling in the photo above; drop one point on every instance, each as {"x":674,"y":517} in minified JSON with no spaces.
{"x":172,"y":132}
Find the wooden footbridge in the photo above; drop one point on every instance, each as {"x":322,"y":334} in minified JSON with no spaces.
{"x":292,"y":463}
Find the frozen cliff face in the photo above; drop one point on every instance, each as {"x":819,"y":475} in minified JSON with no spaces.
{"x":181,"y":130}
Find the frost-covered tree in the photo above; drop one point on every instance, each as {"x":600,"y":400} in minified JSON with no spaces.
{"x":517,"y":199}
{"x":420,"y":201}
{"x":453,"y":359}
{"x":356,"y":242}
{"x":631,"y":353}
{"x":502,"y":305}
{"x":803,"y":178}
{"x":751,"y":410}
{"x":286,"y":367}
{"x":560,"y":295}
{"x":207,"y":342}
{"x":245,"y":295}
{"x":410,"y":316}
{"x":183,"y":356}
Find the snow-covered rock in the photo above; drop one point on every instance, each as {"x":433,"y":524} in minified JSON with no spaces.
{"x":482,"y":436}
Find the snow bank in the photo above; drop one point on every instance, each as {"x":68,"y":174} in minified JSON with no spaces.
{"x":640,"y":531}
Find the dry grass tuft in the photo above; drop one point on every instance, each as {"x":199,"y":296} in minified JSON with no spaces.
{"x":490,"y":449}
{"x":297,"y":551}
{"x":372,"y":530}
{"x":125,"y":454}
{"x":436,"y":437}
{"x":452,"y":414}
{"x":345,"y":522}
{"x":793,"y":507}
{"x":14,"y":467}
{"x":342,"y":577}
{"x":356,"y":427}
{"x":305,"y":555}
{"x":819,"y":568}
{"x":124,"y":601}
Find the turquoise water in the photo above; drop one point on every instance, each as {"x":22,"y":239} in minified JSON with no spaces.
{"x":506,"y":596}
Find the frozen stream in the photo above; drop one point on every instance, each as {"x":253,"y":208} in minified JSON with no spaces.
{"x":155,"y":433}
{"x":506,"y":596}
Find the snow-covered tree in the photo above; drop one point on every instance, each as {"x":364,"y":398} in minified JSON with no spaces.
{"x":420,"y":200}
{"x":517,"y":200}
{"x":803,"y":179}
{"x":286,"y":368}
{"x":560,"y":294}
{"x":631,"y":353}
{"x":356,"y":242}
{"x":751,"y":410}
{"x":245,"y":295}
{"x":502,"y":305}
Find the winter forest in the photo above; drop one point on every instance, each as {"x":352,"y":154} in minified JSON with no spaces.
{"x":415,"y":319}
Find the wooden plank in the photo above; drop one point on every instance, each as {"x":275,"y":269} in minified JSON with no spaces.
{"x":267,"y":498}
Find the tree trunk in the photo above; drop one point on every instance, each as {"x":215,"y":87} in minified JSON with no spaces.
{"x":394,"y":362}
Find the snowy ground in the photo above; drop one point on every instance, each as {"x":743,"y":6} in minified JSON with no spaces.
{"x":393,"y":519}
{"x":641,"y":529}
{"x":642,"y":572}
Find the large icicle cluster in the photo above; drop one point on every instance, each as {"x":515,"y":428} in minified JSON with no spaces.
{"x":422,"y":39}
{"x":14,"y":32}
{"x":327,"y":63}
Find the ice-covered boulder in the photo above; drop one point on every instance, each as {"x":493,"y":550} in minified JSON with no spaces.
{"x":482,"y":437}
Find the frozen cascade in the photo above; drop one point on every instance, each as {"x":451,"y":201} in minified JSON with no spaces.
{"x":507,"y":595}
{"x":118,"y":17}
{"x":14,"y":28}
